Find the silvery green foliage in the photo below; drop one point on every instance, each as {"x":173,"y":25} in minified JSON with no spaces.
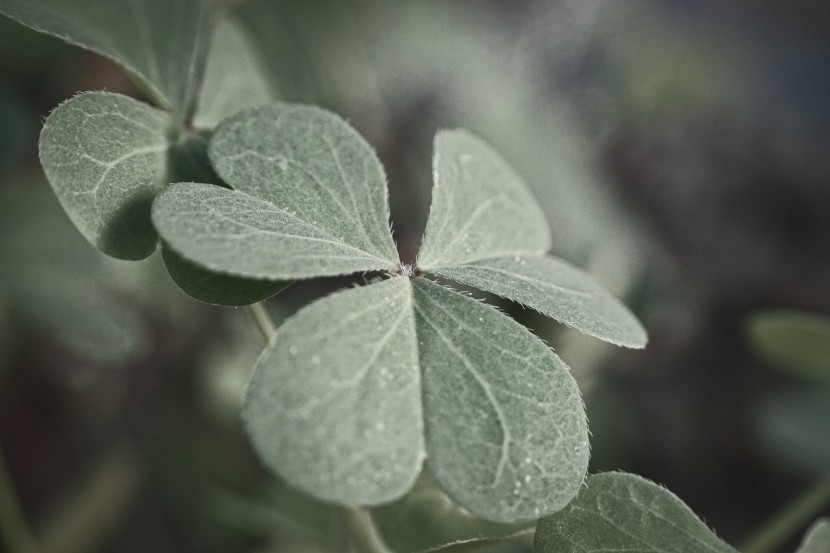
{"x":161,"y":43}
{"x":817,"y":539}
{"x":105,"y":156}
{"x":334,"y":407}
{"x":624,"y":512}
{"x":480,"y":207}
{"x":555,"y":289}
{"x":326,"y":215}
{"x":343,"y":375}
{"x":506,"y":430}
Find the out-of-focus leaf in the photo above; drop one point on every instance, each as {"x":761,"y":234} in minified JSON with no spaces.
{"x":218,"y":289}
{"x":50,"y":275}
{"x":334,"y":406}
{"x":161,"y":43}
{"x":480,"y":206}
{"x":817,"y":539}
{"x":624,"y":512}
{"x":105,"y":156}
{"x":556,"y":289}
{"x":425,"y":519}
{"x":795,"y":340}
{"x":235,"y":76}
{"x":505,"y":426}
{"x":792,"y":427}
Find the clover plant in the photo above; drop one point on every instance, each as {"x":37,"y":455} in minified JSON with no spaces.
{"x":362,"y":392}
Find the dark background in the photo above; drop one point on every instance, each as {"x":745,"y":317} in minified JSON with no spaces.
{"x":680,"y":149}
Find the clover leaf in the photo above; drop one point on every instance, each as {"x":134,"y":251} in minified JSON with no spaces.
{"x":624,"y":512}
{"x":359,"y":388}
{"x":616,"y":511}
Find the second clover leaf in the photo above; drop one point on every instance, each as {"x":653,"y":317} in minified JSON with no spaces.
{"x":360,"y":387}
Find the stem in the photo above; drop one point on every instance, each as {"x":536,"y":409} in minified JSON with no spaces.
{"x":263,"y":321}
{"x":364,"y":536}
{"x":793,"y":517}
{"x":14,"y":530}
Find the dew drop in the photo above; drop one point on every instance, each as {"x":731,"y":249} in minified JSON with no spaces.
{"x":293,"y":350}
{"x":527,"y":479}
{"x":315,"y":359}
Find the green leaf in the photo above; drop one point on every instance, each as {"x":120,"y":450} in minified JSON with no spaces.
{"x":817,"y":539}
{"x":480,"y":206}
{"x":105,"y":156}
{"x":161,"y":43}
{"x":427,"y":520}
{"x":236,"y":234}
{"x":795,"y":340}
{"x":505,"y":425}
{"x":792,"y":428}
{"x":624,"y":512}
{"x":309,"y":200}
{"x":556,"y":289}
{"x":334,"y":405}
{"x":215,"y":288}
{"x":309,"y":161}
{"x":235,"y":76}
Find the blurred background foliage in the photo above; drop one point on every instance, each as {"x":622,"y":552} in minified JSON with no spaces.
{"x":679,"y":150}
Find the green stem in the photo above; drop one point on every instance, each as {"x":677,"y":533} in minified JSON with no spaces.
{"x":263,"y":321}
{"x":364,"y":536}
{"x":14,"y":531}
{"x":792,"y":518}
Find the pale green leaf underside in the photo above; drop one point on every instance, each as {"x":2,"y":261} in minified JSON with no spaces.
{"x":425,"y":519}
{"x":624,"y":512}
{"x":233,"y":233}
{"x":555,"y":289}
{"x":335,"y":404}
{"x":817,"y":539}
{"x":795,"y":340}
{"x":217,"y":289}
{"x":480,"y":206}
{"x":161,"y":42}
{"x":313,"y":165}
{"x":505,"y":425}
{"x":235,"y":76}
{"x":105,"y":156}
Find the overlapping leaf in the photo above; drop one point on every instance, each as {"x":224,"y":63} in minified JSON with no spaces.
{"x":105,"y":156}
{"x":309,"y":200}
{"x":624,"y":512}
{"x":161,"y":43}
